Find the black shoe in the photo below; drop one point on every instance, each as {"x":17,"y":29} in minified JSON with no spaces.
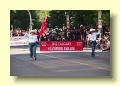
{"x":91,"y":55}
{"x":35,"y":58}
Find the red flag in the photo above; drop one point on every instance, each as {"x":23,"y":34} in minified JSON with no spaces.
{"x":43,"y":26}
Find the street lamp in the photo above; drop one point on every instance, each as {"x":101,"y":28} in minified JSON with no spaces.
{"x":30,"y":20}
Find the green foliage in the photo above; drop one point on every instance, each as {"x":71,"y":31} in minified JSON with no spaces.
{"x":20,"y":18}
{"x":56,"y":18}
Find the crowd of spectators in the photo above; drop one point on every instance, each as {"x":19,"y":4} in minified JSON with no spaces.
{"x":17,"y":32}
{"x":60,"y":34}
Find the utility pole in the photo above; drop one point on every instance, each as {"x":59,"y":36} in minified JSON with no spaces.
{"x":30,"y":20}
{"x":67,"y":20}
{"x":99,"y":20}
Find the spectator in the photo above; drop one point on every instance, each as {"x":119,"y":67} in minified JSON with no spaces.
{"x":77,"y":34}
{"x":38,"y":36}
{"x":84,"y":37}
{"x":89,"y":38}
{"x":106,"y":45}
{"x":71,"y":35}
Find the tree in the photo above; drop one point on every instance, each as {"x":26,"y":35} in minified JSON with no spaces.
{"x":20,"y":18}
{"x":57,"y":18}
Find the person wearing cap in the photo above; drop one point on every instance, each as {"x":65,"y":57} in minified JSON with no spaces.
{"x":93,"y":40}
{"x":32,"y":39}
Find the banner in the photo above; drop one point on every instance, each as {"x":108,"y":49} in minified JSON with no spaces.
{"x":61,"y":45}
{"x":17,"y":41}
{"x":43,"y":26}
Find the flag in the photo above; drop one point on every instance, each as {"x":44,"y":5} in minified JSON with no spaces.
{"x":43,"y":26}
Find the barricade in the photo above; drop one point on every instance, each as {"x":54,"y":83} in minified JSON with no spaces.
{"x":17,"y":41}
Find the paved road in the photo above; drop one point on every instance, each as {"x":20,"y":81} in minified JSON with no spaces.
{"x":59,"y":63}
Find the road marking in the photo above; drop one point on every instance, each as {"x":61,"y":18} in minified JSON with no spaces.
{"x":74,"y":70}
{"x":77,"y":62}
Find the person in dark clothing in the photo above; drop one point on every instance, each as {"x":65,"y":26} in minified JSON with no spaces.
{"x":82,"y":33}
{"x":84,"y":36}
{"x":65,"y":34}
{"x":38,"y":36}
{"x":77,"y":35}
{"x":71,"y":35}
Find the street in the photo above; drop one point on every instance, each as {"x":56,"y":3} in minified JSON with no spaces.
{"x":71,"y":64}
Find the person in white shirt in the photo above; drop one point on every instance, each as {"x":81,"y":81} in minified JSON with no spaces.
{"x":89,"y":38}
{"x":93,"y":40}
{"x":32,"y":39}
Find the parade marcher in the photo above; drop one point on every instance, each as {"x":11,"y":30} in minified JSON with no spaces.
{"x":93,"y":40}
{"x":32,"y":39}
